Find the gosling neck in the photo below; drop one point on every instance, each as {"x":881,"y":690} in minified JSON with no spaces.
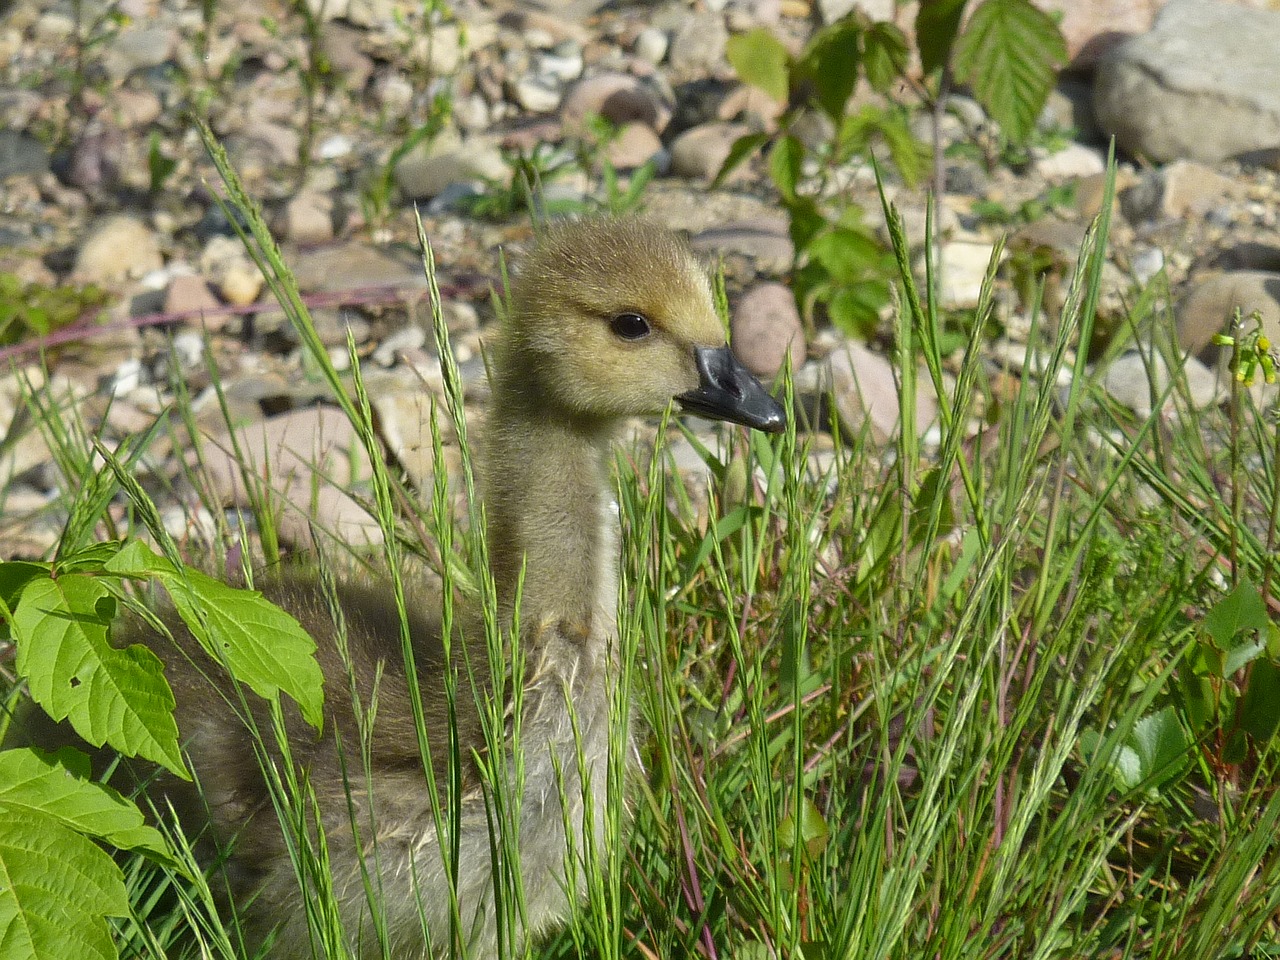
{"x":550,"y":508}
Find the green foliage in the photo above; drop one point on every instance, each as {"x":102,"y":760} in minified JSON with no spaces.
{"x":1009,"y":53}
{"x":60,"y":616}
{"x":159,"y":166}
{"x":846,"y":275}
{"x":36,"y":310}
{"x":56,"y":885}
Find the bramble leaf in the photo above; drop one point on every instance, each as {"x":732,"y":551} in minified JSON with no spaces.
{"x":936,"y":24}
{"x":1009,"y":54}
{"x":62,"y":629}
{"x":884,"y":55}
{"x":57,"y":785}
{"x":56,"y":889}
{"x":762,"y":61}
{"x":261,"y":644}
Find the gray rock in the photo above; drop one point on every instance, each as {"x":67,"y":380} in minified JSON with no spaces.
{"x":21,"y":155}
{"x":699,"y":44}
{"x":355,"y":264}
{"x":1203,"y":84}
{"x":876,"y":10}
{"x":1132,"y":380}
{"x":1209,"y":306}
{"x":411,"y":337}
{"x":1183,"y":188}
{"x":765,"y":325}
{"x":651,"y":45}
{"x":139,"y":47}
{"x":536,"y":94}
{"x":963,"y":268}
{"x":865,"y":389}
{"x":700,"y":153}
{"x":1073,"y":160}
{"x":428,"y":169}
{"x":767,"y":241}
{"x":120,"y":247}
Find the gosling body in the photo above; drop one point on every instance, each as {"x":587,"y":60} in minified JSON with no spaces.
{"x":609,"y":319}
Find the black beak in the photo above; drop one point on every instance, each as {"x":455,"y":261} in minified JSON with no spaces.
{"x":729,"y":391}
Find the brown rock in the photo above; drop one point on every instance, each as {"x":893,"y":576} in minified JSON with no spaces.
{"x":636,"y":144}
{"x":1209,"y":306}
{"x":120,"y":247}
{"x":619,"y":98}
{"x":308,"y":218}
{"x":301,"y":460}
{"x":765,"y":325}
{"x":865,"y":389}
{"x":1182,"y":189}
{"x":700,"y":152}
{"x":189,"y":296}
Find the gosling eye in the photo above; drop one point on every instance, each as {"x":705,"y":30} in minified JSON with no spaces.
{"x":630,"y":326}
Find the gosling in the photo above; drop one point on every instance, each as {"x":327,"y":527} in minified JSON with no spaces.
{"x":610,"y":318}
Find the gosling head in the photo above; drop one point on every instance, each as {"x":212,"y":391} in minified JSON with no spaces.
{"x":614,"y":318}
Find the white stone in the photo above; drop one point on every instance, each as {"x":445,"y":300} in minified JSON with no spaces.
{"x":1072,"y":161}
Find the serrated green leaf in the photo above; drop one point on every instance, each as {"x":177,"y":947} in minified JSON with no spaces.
{"x":56,"y":785}
{"x":884,"y":55}
{"x":761,"y":60}
{"x":830,"y":66}
{"x":1241,"y":609}
{"x":261,"y":644}
{"x":1009,"y":54}
{"x":109,"y":695}
{"x":56,"y":890}
{"x":936,"y":24}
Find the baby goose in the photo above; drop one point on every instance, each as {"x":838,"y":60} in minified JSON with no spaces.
{"x":609,"y":319}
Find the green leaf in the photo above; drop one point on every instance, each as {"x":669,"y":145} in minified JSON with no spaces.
{"x":1260,"y":708}
{"x":1161,"y":747}
{"x":830,"y":66}
{"x":56,"y":785}
{"x":785,"y":161}
{"x":56,"y":890}
{"x":1008,"y":53}
{"x":90,"y":558}
{"x":847,"y":255}
{"x":884,"y":55}
{"x":936,"y":24}
{"x":109,"y":695}
{"x":1241,"y":609}
{"x":761,"y":60}
{"x":14,"y":577}
{"x":261,"y":644}
{"x":742,"y":148}
{"x":814,"y":832}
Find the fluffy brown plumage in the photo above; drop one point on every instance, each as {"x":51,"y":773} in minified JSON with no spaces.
{"x":609,"y":319}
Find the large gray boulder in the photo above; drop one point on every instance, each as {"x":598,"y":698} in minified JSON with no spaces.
{"x":1203,"y":84}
